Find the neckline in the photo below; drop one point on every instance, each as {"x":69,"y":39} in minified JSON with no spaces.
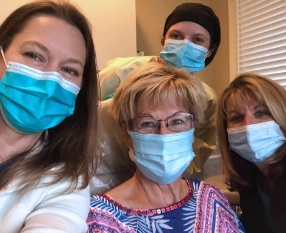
{"x":153,"y":211}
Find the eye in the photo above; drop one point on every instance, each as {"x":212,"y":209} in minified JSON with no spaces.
{"x":262,"y":113}
{"x":70,"y":71}
{"x":144,"y":123}
{"x":198,"y":40}
{"x":236,"y":118}
{"x":147,"y":124}
{"x":176,"y":122}
{"x":33,"y":56}
{"x":176,"y":36}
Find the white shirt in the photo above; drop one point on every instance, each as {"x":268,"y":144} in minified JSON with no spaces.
{"x":44,"y":209}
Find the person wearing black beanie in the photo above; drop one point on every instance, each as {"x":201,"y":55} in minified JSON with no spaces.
{"x":191,"y":37}
{"x":201,"y":15}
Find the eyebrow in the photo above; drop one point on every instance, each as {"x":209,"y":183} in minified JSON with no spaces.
{"x":232,"y":112}
{"x":258,"y":106}
{"x":35,"y":43}
{"x":45,"y":49}
{"x":75,"y":61}
{"x":176,"y":30}
{"x":181,"y":32}
{"x":255,"y":107}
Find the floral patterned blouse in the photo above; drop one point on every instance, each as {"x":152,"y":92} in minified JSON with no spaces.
{"x":204,"y":209}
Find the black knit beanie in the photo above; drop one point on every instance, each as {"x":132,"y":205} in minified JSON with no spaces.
{"x":200,"y":14}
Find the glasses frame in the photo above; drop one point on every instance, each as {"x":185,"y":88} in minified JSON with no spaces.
{"x":165,"y":120}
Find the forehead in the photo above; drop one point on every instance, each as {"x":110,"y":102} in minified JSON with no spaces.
{"x":240,"y":101}
{"x":54,"y":33}
{"x":189,"y":27}
{"x":149,"y":104}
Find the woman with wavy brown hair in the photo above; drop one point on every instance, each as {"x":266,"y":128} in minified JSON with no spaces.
{"x":48,"y":120}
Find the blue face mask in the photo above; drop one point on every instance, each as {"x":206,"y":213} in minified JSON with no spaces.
{"x":184,"y":54}
{"x":163,"y":157}
{"x":32,"y":101}
{"x":256,"y":142}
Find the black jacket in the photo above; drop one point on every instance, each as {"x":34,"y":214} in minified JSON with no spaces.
{"x":253,"y":218}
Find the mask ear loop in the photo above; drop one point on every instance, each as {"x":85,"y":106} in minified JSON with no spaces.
{"x":2,"y":53}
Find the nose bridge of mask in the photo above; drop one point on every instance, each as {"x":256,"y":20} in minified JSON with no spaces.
{"x":191,"y":50}
{"x":167,"y":144}
{"x":247,"y":133}
{"x":186,"y":42}
{"x":199,"y":47}
{"x":52,"y":77}
{"x":249,"y":129}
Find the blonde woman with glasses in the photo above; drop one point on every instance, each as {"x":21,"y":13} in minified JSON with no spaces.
{"x":157,"y":108}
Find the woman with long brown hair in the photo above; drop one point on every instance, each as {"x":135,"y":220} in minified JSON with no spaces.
{"x":48,"y":120}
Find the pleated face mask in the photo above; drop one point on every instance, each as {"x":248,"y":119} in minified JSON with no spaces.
{"x":256,"y":142}
{"x":163,"y":157}
{"x":184,"y":54}
{"x":33,"y":101}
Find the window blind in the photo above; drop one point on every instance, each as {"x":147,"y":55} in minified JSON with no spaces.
{"x":262,"y":38}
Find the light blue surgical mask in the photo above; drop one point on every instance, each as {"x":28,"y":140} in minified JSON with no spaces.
{"x":256,"y":142}
{"x":163,"y":158}
{"x":32,"y":101}
{"x":184,"y":54}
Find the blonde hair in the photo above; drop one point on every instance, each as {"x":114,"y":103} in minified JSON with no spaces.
{"x":266,"y":92}
{"x":158,"y":84}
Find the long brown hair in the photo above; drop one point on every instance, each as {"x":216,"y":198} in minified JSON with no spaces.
{"x":70,"y":145}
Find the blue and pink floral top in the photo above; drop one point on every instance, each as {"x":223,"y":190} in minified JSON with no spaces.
{"x":205,"y":209}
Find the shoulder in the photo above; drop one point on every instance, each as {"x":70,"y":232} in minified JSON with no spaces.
{"x":125,"y":63}
{"x":48,"y":205}
{"x":211,"y":94}
{"x":101,"y":205}
{"x":116,"y":71}
{"x":205,"y":190}
{"x":107,"y":215}
{"x":45,"y":189}
{"x":96,"y":199}
{"x":100,"y":202}
{"x":213,"y":205}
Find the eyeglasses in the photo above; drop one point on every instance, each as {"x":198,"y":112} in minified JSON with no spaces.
{"x":178,"y":122}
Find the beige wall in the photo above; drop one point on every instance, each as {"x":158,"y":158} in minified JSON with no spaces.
{"x":113,"y":22}
{"x":151,"y":15}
